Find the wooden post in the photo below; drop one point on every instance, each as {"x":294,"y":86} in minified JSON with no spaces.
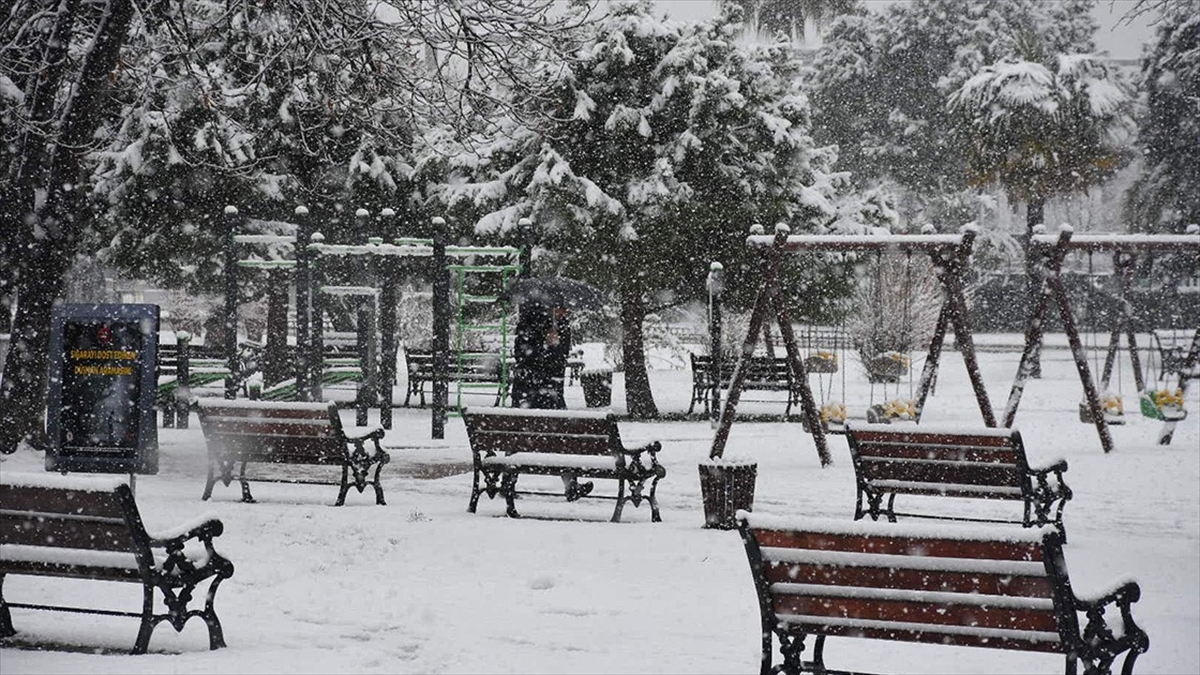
{"x":364,"y":326}
{"x":800,"y":374}
{"x":388,"y":269}
{"x":183,"y":389}
{"x":317,"y":348}
{"x":1033,"y":339}
{"x":716,"y":285}
{"x":303,"y":305}
{"x":441,"y":329}
{"x":232,"y":220}
{"x":950,"y":271}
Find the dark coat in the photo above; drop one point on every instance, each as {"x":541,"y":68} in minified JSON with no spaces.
{"x":537,"y":377}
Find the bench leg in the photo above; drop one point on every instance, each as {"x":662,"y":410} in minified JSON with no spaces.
{"x":378,"y":485}
{"x":655,"y":516}
{"x":508,"y":485}
{"x":246,"y":497}
{"x":616,"y":517}
{"x":148,"y":621}
{"x":209,"y":483}
{"x":345,"y":487}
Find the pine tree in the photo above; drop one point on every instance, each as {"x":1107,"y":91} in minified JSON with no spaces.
{"x":667,"y":141}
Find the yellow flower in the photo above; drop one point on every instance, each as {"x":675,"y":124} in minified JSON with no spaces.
{"x":901,"y":408}
{"x":833,"y":412}
{"x":1165,"y":398}
{"x":1113,"y":405}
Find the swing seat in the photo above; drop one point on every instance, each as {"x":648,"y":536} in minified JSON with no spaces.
{"x":1111,"y":417}
{"x":1154,"y":411}
{"x":821,"y":363}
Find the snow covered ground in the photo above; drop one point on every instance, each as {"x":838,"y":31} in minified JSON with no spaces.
{"x":421,"y":586}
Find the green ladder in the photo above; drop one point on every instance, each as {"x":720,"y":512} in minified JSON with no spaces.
{"x":478,"y":371}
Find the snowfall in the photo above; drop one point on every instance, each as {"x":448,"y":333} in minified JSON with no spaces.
{"x":422,"y":586}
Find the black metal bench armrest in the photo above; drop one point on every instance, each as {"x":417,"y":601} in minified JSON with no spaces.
{"x":182,"y":566}
{"x":1042,"y":484}
{"x":636,"y":463}
{"x":1098,"y":636}
{"x":1123,"y":596}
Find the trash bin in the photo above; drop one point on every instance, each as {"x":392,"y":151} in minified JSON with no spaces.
{"x":726,"y":487}
{"x":597,"y":387}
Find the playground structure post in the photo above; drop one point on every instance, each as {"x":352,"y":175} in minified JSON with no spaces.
{"x":232,"y":220}
{"x":303,"y":304}
{"x":183,"y":394}
{"x":387,"y":325}
{"x":317,"y":336}
{"x":441,"y":330}
{"x":715,"y":283}
{"x":526,"y":234}
{"x":364,"y":323}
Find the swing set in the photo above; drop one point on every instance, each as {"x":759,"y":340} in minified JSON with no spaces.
{"x":949,"y":254}
{"x":1097,"y":408}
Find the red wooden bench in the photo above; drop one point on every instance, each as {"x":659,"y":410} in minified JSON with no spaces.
{"x":953,"y":585}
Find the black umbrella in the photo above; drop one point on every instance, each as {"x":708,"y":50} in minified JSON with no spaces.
{"x":553,"y":292}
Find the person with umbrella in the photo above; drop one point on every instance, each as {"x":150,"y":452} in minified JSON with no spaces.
{"x":540,"y":352}
{"x":543,"y":346}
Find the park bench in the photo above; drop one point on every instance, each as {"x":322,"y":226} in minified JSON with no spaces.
{"x":954,"y":585}
{"x":509,"y":442}
{"x":90,"y":528}
{"x":482,"y":373}
{"x":966,"y":463}
{"x":763,"y":373}
{"x":275,"y":432}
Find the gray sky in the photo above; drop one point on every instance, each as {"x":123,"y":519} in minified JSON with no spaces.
{"x":1121,"y":41}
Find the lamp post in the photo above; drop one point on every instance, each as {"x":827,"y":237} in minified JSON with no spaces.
{"x":715,"y":285}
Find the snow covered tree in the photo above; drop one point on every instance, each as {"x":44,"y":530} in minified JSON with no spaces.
{"x":1040,"y":132}
{"x":315,"y":103}
{"x":882,"y":80}
{"x":56,"y":60}
{"x":667,"y":141}
{"x":1166,"y":196}
{"x":262,"y":104}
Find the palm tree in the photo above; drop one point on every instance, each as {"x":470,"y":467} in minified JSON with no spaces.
{"x":789,"y":17}
{"x":1041,"y":131}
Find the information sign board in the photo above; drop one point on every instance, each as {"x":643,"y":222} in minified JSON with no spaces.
{"x":100,"y":408}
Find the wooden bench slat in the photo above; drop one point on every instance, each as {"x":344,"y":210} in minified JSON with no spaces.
{"x":951,"y":452}
{"x":938,"y":548}
{"x":552,"y":443}
{"x":914,"y":436}
{"x":946,"y":635}
{"x":290,"y":428}
{"x":956,"y":473}
{"x":543,"y":424}
{"x":902,"y":612}
{"x":104,"y":504}
{"x":909,"y":579}
{"x":41,"y":529}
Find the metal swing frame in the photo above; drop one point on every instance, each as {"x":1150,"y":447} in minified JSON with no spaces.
{"x":1053,"y":250}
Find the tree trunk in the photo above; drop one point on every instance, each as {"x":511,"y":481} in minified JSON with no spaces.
{"x":639,"y":400}
{"x":1035,"y":212}
{"x":48,"y":190}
